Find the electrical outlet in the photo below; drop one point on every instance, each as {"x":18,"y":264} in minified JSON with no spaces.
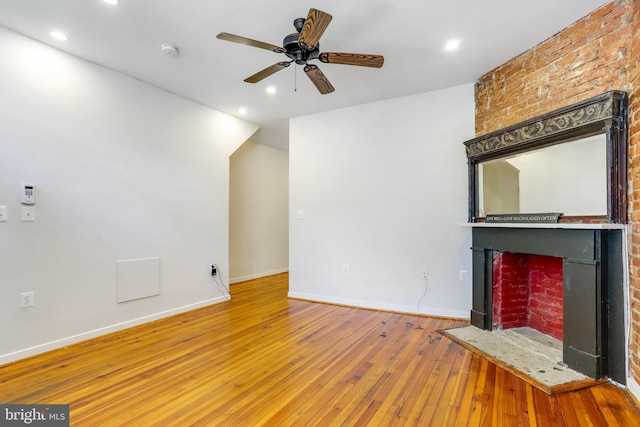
{"x":345,"y":268}
{"x":27,"y":299}
{"x":214,"y":270}
{"x":464,"y":275}
{"x":425,"y":274}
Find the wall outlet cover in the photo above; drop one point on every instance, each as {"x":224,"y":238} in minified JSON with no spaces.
{"x":27,"y":299}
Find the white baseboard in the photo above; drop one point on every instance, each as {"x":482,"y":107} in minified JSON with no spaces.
{"x":41,"y":348}
{"x":633,"y":388}
{"x":381,"y":306}
{"x":257,"y":275}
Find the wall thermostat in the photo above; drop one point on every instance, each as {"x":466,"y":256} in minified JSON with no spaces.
{"x":28,"y":194}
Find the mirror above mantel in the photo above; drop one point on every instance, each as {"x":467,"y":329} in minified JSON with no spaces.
{"x":572,"y":161}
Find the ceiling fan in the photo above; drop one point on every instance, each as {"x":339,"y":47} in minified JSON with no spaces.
{"x":303,"y":46}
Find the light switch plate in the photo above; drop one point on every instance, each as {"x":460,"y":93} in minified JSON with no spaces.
{"x":3,"y":213}
{"x":28,"y":213}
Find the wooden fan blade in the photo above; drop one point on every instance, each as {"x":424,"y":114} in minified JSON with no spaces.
{"x":260,"y":75}
{"x":250,"y":42}
{"x":318,"y":79}
{"x":360,"y":59}
{"x":314,"y":26}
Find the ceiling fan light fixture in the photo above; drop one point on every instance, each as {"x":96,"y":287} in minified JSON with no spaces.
{"x":271,"y":90}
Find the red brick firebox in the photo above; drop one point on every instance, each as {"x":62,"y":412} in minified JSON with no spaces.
{"x":528,"y":292}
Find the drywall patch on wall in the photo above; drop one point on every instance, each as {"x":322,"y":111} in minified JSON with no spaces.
{"x":138,"y":278}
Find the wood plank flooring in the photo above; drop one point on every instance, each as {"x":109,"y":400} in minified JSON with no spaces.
{"x":261,"y":359}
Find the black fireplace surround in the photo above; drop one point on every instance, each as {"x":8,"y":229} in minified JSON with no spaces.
{"x":593,"y":277}
{"x":591,"y":247}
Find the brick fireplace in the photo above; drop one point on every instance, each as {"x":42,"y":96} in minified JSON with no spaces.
{"x":575,"y":263}
{"x":565,"y":280}
{"x":527,"y":292}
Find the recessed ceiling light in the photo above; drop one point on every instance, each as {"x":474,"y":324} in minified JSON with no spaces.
{"x":452,"y":45}
{"x":112,"y":1}
{"x":59,"y":35}
{"x":271,"y":90}
{"x":242,"y":111}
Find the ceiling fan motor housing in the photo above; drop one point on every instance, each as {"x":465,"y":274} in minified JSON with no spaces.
{"x":297,"y":53}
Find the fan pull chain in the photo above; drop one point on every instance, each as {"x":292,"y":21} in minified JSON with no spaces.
{"x":295,"y":79}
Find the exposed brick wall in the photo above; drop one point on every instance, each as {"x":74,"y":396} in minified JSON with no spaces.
{"x":527,"y":291}
{"x":546,"y":293}
{"x":600,"y":52}
{"x":634,"y":176}
{"x":586,"y":59}
{"x":510,"y":290}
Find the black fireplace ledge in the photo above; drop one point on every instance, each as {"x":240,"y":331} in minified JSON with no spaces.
{"x":560,"y":225}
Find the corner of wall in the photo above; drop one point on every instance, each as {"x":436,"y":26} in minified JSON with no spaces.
{"x":634,"y":389}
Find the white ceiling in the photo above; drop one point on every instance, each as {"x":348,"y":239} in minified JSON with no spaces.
{"x":409,"y":33}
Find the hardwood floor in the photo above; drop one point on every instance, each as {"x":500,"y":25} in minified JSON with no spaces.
{"x":262,"y":359}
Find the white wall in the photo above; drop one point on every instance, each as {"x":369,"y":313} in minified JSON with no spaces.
{"x":123,"y":171}
{"x":258,"y":212}
{"x":383,"y":189}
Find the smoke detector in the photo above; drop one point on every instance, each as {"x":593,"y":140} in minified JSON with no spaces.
{"x":169,"y":49}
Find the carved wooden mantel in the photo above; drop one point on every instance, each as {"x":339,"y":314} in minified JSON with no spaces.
{"x":550,"y":127}
{"x":606,"y":113}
